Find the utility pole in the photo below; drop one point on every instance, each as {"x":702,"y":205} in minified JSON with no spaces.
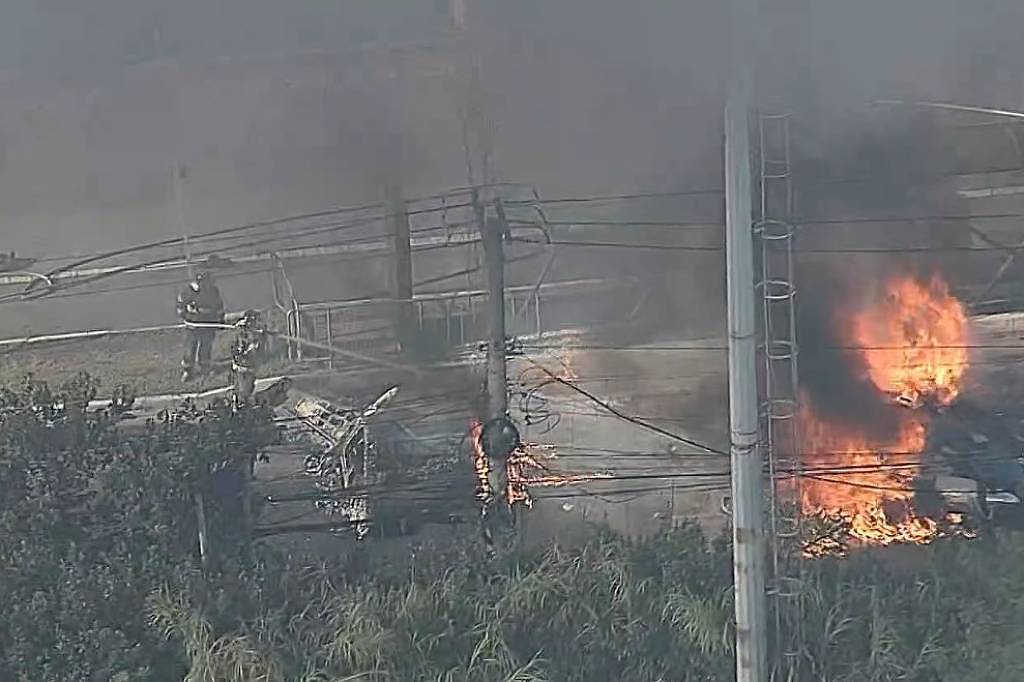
{"x":492,"y":236}
{"x":745,"y":452}
{"x":499,"y":434}
{"x":477,"y":122}
{"x":179,"y":209}
{"x":401,"y":285}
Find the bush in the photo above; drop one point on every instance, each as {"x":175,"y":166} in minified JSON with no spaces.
{"x":100,"y":581}
{"x":93,"y":520}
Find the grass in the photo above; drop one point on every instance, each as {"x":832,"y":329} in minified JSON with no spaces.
{"x":145,"y":363}
{"x":610,"y":609}
{"x":595,"y":613}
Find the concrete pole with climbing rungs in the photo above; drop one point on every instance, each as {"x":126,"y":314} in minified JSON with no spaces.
{"x":745,"y":452}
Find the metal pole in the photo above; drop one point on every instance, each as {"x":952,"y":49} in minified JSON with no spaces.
{"x":492,"y":237}
{"x":458,"y":13}
{"x":328,"y":323}
{"x":401,"y":281}
{"x":201,"y":522}
{"x":747,"y":483}
{"x":179,"y":207}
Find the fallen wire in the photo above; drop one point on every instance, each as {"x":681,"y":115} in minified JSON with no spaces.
{"x":621,"y":415}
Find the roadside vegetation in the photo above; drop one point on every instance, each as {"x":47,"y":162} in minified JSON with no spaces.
{"x":100,"y":579}
{"x":147,"y":364}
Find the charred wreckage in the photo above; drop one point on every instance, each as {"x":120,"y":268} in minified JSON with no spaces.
{"x":344,"y":446}
{"x":978,"y":468}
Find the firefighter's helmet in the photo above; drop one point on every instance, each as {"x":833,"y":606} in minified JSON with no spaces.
{"x":251,"y":319}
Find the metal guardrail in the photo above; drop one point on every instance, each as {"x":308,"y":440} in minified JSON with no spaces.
{"x":454,"y":318}
{"x":286,"y":303}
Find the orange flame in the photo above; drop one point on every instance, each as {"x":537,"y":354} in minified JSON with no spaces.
{"x":523,"y":469}
{"x":864,"y":481}
{"x":480,"y":464}
{"x":914,"y":341}
{"x":515,"y":490}
{"x":914,"y":348}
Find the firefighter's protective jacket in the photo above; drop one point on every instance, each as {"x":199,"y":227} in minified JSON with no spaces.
{"x":201,"y":304}
{"x":248,"y":348}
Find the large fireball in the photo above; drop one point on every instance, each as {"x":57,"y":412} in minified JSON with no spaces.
{"x":913,"y":344}
{"x":914,"y":341}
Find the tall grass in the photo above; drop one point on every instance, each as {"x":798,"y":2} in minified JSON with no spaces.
{"x":612,"y":609}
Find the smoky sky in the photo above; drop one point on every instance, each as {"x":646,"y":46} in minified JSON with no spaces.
{"x":274,"y":115}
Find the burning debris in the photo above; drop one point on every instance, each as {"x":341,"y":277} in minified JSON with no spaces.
{"x":866,"y":481}
{"x":911,"y":349}
{"x":480,"y":463}
{"x":524,"y":471}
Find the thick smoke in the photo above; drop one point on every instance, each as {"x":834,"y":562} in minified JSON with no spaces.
{"x":875,"y":168}
{"x":833,"y":376}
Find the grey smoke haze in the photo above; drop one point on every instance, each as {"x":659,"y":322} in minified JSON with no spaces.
{"x":285,"y":107}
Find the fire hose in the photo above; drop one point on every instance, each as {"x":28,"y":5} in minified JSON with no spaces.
{"x":312,"y":344}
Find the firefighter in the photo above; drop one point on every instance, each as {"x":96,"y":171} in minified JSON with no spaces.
{"x":247,"y":352}
{"x":201,"y":308}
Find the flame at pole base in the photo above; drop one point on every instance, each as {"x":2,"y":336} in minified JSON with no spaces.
{"x":481,"y":466}
{"x":523,"y":471}
{"x":913,"y":348}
